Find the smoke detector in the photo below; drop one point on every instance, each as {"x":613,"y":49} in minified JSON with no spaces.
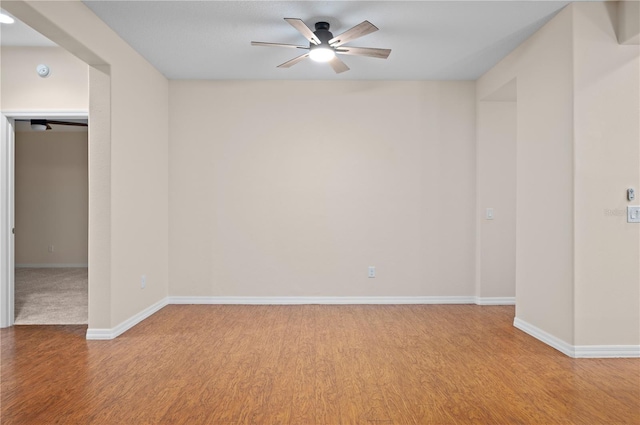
{"x":43,"y":70}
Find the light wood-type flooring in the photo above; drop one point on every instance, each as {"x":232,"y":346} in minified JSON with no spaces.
{"x":313,"y":364}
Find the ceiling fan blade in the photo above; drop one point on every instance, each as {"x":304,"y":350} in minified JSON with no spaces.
{"x":293,"y":46}
{"x":358,"y":31}
{"x":77,"y":124}
{"x":337,"y":65}
{"x":303,"y":29}
{"x":364,"y":51}
{"x":293,"y":61}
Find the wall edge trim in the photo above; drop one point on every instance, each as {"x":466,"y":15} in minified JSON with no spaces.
{"x":105,"y":334}
{"x":62,"y":113}
{"x":52,"y":266}
{"x":545,"y":337}
{"x":496,"y":300}
{"x":606,"y":351}
{"x":578,"y":351}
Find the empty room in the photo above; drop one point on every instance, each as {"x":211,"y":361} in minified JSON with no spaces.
{"x":302,"y":212}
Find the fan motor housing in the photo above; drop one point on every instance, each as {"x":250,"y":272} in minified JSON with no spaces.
{"x":323,"y":33}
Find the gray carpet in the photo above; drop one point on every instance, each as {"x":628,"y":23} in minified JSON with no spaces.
{"x":52,"y":296}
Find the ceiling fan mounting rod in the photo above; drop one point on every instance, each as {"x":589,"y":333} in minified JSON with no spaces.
{"x":323,"y":34}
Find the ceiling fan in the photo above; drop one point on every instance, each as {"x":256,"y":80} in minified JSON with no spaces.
{"x":323,"y":46}
{"x":43,"y":125}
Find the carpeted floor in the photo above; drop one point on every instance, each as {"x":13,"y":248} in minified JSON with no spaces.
{"x":51,"y":296}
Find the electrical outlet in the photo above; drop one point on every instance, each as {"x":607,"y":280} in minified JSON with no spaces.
{"x":372,"y":271}
{"x":143,"y":281}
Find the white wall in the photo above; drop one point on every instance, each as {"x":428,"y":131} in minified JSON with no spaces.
{"x":544,"y":204}
{"x":262,"y":202}
{"x":51,"y":198}
{"x":607,"y":152}
{"x":628,"y":18}
{"x":67,"y":88}
{"x":21,"y":89}
{"x":128,"y":147}
{"x":294,"y":188}
{"x":496,"y":189}
{"x":578,"y":150}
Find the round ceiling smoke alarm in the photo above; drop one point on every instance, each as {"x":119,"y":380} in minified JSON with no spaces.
{"x":43,"y":70}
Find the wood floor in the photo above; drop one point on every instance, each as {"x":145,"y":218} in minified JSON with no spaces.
{"x":310,"y":365}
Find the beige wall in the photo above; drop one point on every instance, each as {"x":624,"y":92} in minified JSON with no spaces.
{"x":51,"y":198}
{"x":294,"y":188}
{"x":607,"y":152}
{"x":628,"y":18}
{"x":496,"y":188}
{"x":67,"y":88}
{"x":577,"y":265}
{"x":544,"y":176}
{"x":128,"y":169}
{"x":267,"y":191}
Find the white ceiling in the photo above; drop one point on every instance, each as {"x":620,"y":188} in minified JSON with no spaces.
{"x":20,"y":34}
{"x":430,"y":40}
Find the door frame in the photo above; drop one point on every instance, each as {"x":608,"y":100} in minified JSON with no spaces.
{"x":7,"y":202}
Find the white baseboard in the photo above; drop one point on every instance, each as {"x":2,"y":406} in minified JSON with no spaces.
{"x":496,"y":300}
{"x":578,"y":351}
{"x":101,"y":334}
{"x":320,"y":300}
{"x":606,"y":351}
{"x":547,"y":338}
{"x":52,"y":266}
{"x":343,"y":300}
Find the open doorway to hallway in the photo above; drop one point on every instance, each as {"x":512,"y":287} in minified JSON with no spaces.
{"x":496,"y":155}
{"x":51,"y":222}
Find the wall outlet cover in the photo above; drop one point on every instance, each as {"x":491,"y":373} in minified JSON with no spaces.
{"x":372,"y":271}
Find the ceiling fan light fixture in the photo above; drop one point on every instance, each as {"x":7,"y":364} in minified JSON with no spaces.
{"x":324,"y":47}
{"x":6,"y":19}
{"x":322,"y":53}
{"x":40,"y":125}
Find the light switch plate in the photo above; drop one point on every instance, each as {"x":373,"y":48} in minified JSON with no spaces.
{"x":489,"y":214}
{"x":633,"y":214}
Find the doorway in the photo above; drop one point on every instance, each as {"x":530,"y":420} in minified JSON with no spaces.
{"x":496,"y":157}
{"x":51,"y":222}
{"x":45,"y":216}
